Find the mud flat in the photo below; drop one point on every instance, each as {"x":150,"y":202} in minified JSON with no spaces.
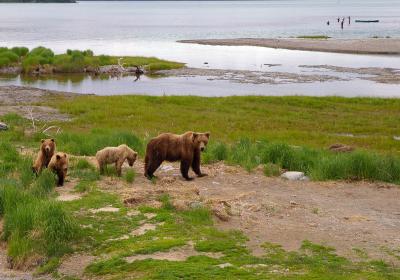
{"x":387,"y":46}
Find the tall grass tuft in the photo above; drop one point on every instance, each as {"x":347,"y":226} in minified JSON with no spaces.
{"x":319,"y":164}
{"x":44,"y":184}
{"x":89,"y":144}
{"x":130,"y":175}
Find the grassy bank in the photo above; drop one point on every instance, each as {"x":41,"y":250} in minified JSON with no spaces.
{"x":314,"y":122}
{"x":74,"y":61}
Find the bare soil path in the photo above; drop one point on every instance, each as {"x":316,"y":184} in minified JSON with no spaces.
{"x":351,"y":217}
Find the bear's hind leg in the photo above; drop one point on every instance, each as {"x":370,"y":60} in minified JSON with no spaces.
{"x":151,"y":167}
{"x":185,"y":165}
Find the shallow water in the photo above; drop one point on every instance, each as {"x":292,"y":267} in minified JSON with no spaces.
{"x":151,"y":28}
{"x":200,"y":86}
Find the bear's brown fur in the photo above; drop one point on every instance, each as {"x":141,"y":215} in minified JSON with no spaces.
{"x":116,"y":155}
{"x":47,"y":149}
{"x":172,"y":147}
{"x":59,"y":165}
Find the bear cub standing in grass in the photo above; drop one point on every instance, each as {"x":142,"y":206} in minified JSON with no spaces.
{"x":59,"y":165}
{"x":171,"y":147}
{"x":116,"y":155}
{"x":47,"y":149}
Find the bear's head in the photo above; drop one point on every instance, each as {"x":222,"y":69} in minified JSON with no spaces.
{"x":131,"y":158}
{"x":61,"y":164}
{"x":48,"y":146}
{"x":200,"y":140}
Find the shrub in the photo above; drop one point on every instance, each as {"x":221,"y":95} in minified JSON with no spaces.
{"x":42,"y":52}
{"x":20,"y":51}
{"x":11,"y":56}
{"x":4,"y":61}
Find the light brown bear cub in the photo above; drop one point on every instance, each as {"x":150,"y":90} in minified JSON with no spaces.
{"x":172,"y":147}
{"x":47,"y":149}
{"x":116,"y":155}
{"x":59,"y":165}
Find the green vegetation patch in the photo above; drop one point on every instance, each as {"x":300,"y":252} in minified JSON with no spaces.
{"x":75,"y":61}
{"x":34,"y":225}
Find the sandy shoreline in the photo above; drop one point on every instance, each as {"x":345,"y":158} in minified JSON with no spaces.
{"x":382,"y":46}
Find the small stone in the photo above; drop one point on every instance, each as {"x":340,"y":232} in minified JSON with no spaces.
{"x":3,"y":126}
{"x":195,"y":204}
{"x":397,"y":138}
{"x":223,"y":265}
{"x":292,"y":175}
{"x":293,"y":203}
{"x":220,"y":212}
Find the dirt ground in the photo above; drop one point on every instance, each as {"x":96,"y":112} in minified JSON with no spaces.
{"x":19,"y":100}
{"x":351,"y":217}
{"x":348,"y":216}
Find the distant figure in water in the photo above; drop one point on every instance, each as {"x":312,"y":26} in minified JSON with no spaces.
{"x":327,"y":23}
{"x":338,"y":19}
{"x":341,"y":23}
{"x":349,"y":20}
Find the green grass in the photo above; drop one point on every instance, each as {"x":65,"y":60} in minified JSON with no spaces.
{"x":75,"y":61}
{"x":303,"y":121}
{"x":314,"y":37}
{"x":34,"y":225}
{"x":130,"y":176}
{"x":318,"y":164}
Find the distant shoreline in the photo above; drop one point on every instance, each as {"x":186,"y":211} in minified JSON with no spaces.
{"x":381,"y":46}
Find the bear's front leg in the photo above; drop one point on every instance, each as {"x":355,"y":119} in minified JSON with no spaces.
{"x":196,"y":164}
{"x":185,"y":165}
{"x":118,"y":167}
{"x":61,"y":178}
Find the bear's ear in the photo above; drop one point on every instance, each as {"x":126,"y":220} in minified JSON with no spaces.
{"x":194,"y":136}
{"x":58,"y":157}
{"x":207,"y":134}
{"x":42,"y":140}
{"x":65,"y":155}
{"x":52,"y":139}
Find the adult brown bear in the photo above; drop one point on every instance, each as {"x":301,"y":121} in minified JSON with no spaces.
{"x":172,"y":147}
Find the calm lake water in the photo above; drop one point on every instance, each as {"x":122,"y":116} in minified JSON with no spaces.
{"x":152,"y":29}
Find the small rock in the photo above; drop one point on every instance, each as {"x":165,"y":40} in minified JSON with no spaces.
{"x":293,"y":203}
{"x":397,"y":138}
{"x":293,"y":175}
{"x":220,"y":212}
{"x":179,"y":205}
{"x":3,"y":126}
{"x":150,"y":215}
{"x":223,"y":265}
{"x":195,"y":204}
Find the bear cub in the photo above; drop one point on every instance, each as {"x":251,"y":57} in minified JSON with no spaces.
{"x":47,"y":149}
{"x":59,"y":165}
{"x":116,"y":155}
{"x":185,"y":148}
